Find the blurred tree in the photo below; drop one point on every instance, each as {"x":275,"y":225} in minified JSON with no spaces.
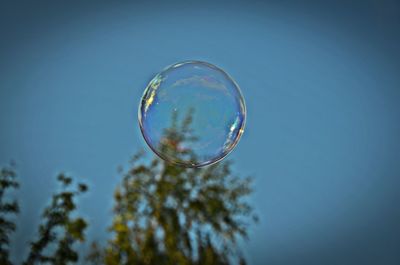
{"x":166,"y":214}
{"x":59,"y":230}
{"x":7,"y":210}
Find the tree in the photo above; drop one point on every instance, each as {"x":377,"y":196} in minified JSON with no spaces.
{"x":8,"y":209}
{"x":166,"y":214}
{"x":59,"y":230}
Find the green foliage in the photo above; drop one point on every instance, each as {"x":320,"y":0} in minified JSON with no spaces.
{"x":165,"y":214}
{"x":59,"y":230}
{"x":7,"y":210}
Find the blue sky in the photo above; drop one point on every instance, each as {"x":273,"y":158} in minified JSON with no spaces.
{"x":321,"y":82}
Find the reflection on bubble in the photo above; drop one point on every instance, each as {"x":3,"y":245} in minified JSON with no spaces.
{"x":192,"y":114}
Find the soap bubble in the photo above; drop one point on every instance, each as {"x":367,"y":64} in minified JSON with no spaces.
{"x":192,"y":114}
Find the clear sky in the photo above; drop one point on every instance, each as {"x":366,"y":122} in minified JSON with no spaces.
{"x":322,"y":87}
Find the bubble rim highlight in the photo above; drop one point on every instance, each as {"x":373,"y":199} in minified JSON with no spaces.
{"x":208,"y":162}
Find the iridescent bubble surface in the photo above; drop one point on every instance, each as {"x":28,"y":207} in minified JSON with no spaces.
{"x":192,"y":114}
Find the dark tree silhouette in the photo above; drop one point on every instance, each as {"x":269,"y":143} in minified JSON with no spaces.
{"x":166,"y":214}
{"x":8,"y":210}
{"x":59,"y":230}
